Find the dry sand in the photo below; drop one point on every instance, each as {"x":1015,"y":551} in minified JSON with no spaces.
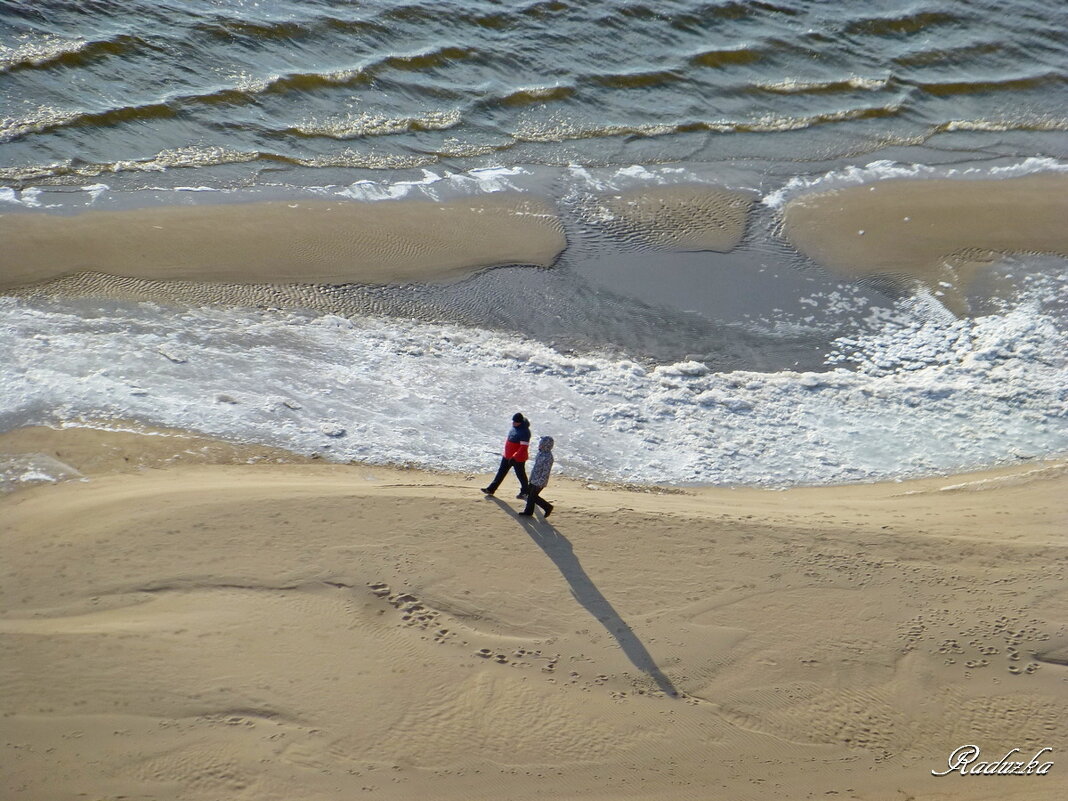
{"x":935,"y":231}
{"x":309,"y":242}
{"x":316,"y":631}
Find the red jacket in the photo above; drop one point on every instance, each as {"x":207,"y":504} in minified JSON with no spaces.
{"x":516,"y":451}
{"x":517,"y":443}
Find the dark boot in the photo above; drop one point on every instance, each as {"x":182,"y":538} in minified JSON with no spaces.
{"x":532,"y":498}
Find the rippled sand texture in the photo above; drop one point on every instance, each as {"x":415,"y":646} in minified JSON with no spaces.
{"x":675,"y":218}
{"x":318,"y":241}
{"x":335,"y":632}
{"x":933,"y":231}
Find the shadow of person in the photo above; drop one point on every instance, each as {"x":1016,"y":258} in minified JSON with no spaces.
{"x":558,"y":548}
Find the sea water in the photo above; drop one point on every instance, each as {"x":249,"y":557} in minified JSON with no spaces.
{"x":754,"y":366}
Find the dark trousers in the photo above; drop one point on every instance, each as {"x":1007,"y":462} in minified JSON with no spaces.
{"x":534,"y":497}
{"x":502,"y":471}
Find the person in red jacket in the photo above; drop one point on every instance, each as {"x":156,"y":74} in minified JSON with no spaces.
{"x":516,"y":447}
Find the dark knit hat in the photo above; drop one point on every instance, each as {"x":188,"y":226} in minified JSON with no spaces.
{"x":517,"y":417}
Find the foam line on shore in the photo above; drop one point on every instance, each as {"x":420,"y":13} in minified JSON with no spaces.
{"x":927,"y":396}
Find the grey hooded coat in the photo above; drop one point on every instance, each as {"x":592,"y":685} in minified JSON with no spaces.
{"x":543,"y":464}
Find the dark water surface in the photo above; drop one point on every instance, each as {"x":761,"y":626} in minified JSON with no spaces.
{"x":254,"y":88}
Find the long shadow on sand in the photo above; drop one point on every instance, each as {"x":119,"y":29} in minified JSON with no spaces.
{"x":558,"y":548}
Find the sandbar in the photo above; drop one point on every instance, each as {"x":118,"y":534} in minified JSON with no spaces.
{"x":317,"y":241}
{"x":936,"y":231}
{"x":678,"y":218}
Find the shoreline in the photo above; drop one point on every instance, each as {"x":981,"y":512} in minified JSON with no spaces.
{"x":98,"y":450}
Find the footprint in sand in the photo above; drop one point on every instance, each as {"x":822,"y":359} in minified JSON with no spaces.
{"x":415,"y":614}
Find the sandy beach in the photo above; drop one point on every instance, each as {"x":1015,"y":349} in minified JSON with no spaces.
{"x":196,"y":620}
{"x":785,"y":282}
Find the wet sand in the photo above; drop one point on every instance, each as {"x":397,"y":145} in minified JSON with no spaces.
{"x":223,"y":630}
{"x":277,"y":242}
{"x":675,"y":217}
{"x":934,"y":231}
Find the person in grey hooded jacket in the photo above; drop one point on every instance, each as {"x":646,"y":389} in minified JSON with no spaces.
{"x":539,"y":477}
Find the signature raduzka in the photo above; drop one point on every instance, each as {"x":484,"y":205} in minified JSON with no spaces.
{"x":965,"y":761}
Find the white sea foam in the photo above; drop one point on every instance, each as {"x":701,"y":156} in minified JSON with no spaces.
{"x":433,"y":186}
{"x":95,"y":191}
{"x":925,"y":395}
{"x":438,"y":186}
{"x":37,"y":50}
{"x":635,"y":176}
{"x":22,"y":469}
{"x":797,"y":85}
{"x":30,"y":197}
{"x":352,"y":126}
{"x":885,"y":170}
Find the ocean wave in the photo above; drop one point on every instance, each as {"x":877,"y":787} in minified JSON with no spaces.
{"x":790,"y":86}
{"x":363,"y":159}
{"x":42,"y":118}
{"x":428,"y":59}
{"x":213,"y":156}
{"x":903,"y":24}
{"x":1004,"y":125}
{"x":728,"y":57}
{"x":52,"y":51}
{"x":367,"y":124}
{"x":636,"y":80}
{"x":730,"y":11}
{"x":46,"y":119}
{"x":927,"y":56}
{"x":191,"y":156}
{"x":312,"y":81}
{"x":773,"y":123}
{"x":528,"y":96}
{"x":494,"y":21}
{"x":245,"y":89}
{"x":968,"y":87}
{"x":258,"y":31}
{"x":562,"y":130}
